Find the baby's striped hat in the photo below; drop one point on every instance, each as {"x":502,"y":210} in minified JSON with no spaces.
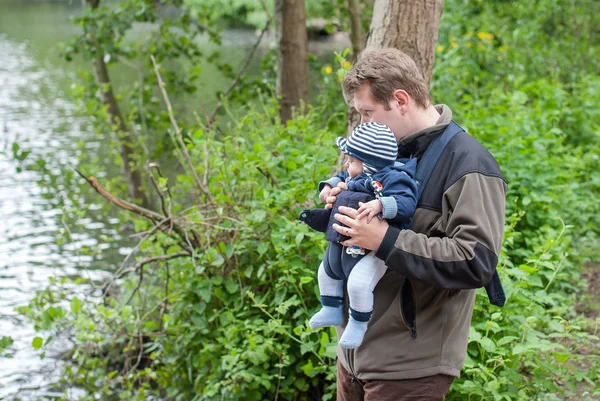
{"x":374,"y":144}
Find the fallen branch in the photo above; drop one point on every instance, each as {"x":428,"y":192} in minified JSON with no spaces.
{"x":149,"y":214}
{"x":142,"y":211}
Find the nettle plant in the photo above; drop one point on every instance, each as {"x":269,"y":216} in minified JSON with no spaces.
{"x":531,"y":347}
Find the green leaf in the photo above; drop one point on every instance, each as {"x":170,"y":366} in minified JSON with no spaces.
{"x":262,"y":248}
{"x":487,"y":344}
{"x":309,"y":369}
{"x":215,"y":257}
{"x":506,"y":340}
{"x":231,"y":287}
{"x":561,"y":356}
{"x":37,"y":342}
{"x":528,"y":269}
{"x":75,"y":305}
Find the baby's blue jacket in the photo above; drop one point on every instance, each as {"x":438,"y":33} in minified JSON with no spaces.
{"x":399,"y":195}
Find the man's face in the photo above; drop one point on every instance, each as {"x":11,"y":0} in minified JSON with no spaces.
{"x":372,"y":111}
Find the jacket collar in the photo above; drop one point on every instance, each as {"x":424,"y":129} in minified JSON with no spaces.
{"x":415,"y":144}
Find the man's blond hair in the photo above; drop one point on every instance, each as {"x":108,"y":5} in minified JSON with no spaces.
{"x":387,"y":70}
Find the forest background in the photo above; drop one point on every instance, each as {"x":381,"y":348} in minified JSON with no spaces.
{"x":213,"y":298}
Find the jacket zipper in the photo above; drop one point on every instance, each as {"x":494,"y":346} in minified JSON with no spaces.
{"x":411,"y":326}
{"x":350,"y":358}
{"x":413,"y":329}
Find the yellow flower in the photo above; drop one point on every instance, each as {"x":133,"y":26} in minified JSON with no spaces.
{"x":439,"y":48}
{"x":346,"y":64}
{"x":454,"y":45}
{"x":328,"y":70}
{"x":485,"y":36}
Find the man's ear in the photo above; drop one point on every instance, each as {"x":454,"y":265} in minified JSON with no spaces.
{"x":401,"y":100}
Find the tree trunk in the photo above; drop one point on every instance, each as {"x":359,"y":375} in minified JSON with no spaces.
{"x":292,"y":57}
{"x":411,"y":26}
{"x":356,"y":34}
{"x":124,"y":137}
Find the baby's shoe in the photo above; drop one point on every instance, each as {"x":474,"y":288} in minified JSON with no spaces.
{"x":353,"y":334}
{"x":327,"y":316}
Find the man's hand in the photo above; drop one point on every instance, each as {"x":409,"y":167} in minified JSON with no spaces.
{"x":369,"y":209}
{"x":333,"y":194}
{"x":325,"y":193}
{"x":366,"y":235}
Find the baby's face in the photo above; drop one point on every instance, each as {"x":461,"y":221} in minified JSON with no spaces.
{"x":354,"y":166}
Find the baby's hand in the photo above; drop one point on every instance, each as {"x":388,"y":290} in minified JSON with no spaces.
{"x":325,"y":193}
{"x":369,"y":209}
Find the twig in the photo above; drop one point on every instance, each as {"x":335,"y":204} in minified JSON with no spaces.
{"x":155,"y":217}
{"x":166,"y":304}
{"x":119,"y":202}
{"x":237,"y":78}
{"x":163,"y":202}
{"x":205,"y":28}
{"x":139,"y":244}
{"x":182,"y":145}
{"x":140,"y":265}
{"x":140,"y":353}
{"x":269,"y":176}
{"x":279,"y":376}
{"x":192,"y":248}
{"x":266,"y":9}
{"x":206,"y":166}
{"x":161,"y":303}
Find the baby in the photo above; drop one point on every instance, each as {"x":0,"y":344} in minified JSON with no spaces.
{"x":377,"y":185}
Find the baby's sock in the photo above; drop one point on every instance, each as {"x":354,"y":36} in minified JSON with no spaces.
{"x":327,"y":316}
{"x":354,"y":333}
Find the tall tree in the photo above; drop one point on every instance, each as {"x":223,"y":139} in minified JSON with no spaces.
{"x":409,"y":25}
{"x":356,"y":32}
{"x":292,"y":56}
{"x":124,"y":137}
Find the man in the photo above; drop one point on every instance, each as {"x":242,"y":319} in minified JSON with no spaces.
{"x":417,"y":338}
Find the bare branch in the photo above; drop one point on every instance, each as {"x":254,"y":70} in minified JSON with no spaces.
{"x":166,"y":303}
{"x":155,"y":217}
{"x":119,"y":202}
{"x":266,"y":9}
{"x":205,"y":178}
{"x":269,"y":176}
{"x":240,"y":72}
{"x":160,"y":192}
{"x":140,"y":265}
{"x":183,"y":147}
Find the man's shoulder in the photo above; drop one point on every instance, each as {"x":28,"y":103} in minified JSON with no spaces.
{"x":464,"y":155}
